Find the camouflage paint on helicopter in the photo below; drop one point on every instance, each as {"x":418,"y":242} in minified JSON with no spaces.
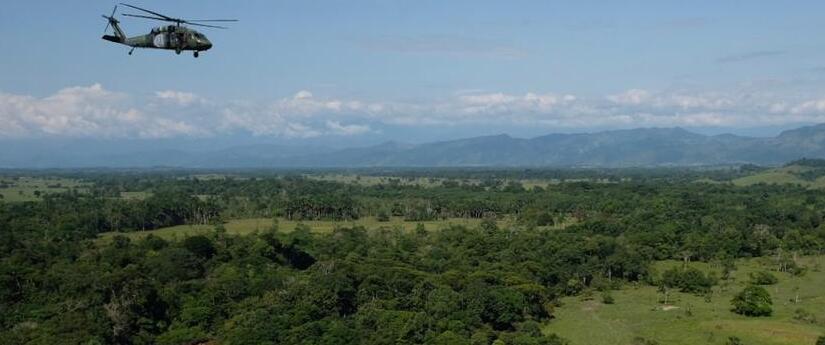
{"x":173,"y":37}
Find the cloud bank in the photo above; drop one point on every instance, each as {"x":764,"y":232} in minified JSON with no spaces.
{"x":94,"y":111}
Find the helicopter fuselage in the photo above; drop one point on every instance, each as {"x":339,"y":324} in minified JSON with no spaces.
{"x":172,"y":37}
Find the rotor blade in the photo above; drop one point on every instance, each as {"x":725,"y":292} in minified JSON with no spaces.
{"x":211,"y":20}
{"x":109,"y":19}
{"x":147,"y":11}
{"x":148,"y":17}
{"x":208,"y":26}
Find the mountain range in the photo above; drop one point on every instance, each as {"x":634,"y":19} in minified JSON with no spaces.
{"x":615,"y":148}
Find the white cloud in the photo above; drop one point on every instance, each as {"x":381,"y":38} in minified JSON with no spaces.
{"x":93,"y":111}
{"x":338,"y":128}
{"x":84,"y":112}
{"x":504,"y":104}
{"x":178,"y":97}
{"x":810,"y":107}
{"x":638,"y":97}
{"x":632,"y":96}
{"x":303,"y":94}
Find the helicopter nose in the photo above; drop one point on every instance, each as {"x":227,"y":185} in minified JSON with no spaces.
{"x":207,"y":45}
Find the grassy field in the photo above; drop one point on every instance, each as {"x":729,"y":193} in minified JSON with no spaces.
{"x":689,"y":319}
{"x":784,"y":175}
{"x":247,"y":226}
{"x":376,"y":180}
{"x":429,"y":182}
{"x":26,"y":188}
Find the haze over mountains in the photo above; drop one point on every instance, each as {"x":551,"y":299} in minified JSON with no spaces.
{"x":616,"y":148}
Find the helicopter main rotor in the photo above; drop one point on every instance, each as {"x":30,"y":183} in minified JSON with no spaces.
{"x":178,"y":21}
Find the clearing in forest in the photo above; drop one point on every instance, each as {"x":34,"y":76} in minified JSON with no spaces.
{"x":690,"y":319}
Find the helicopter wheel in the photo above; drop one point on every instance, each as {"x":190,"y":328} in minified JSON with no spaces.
{"x":177,"y":51}
{"x":196,"y":54}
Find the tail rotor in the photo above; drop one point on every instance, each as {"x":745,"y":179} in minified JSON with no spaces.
{"x":118,"y":36}
{"x":110,"y":18}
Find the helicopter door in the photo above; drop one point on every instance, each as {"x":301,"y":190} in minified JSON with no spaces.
{"x":174,"y":40}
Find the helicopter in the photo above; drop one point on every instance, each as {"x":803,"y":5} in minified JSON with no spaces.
{"x":171,"y":37}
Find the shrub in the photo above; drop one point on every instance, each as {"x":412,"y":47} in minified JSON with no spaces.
{"x":383,"y":216}
{"x":607,"y":298}
{"x":753,"y":301}
{"x":804,"y":316}
{"x":763,"y":278}
{"x":545,"y":219}
{"x":734,"y":341}
{"x":689,"y":280}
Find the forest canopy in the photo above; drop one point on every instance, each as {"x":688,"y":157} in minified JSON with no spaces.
{"x":491,"y":283}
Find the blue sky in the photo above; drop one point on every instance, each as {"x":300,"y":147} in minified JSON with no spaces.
{"x":368,"y":71}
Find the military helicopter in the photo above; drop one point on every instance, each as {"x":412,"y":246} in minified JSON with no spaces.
{"x":171,"y":37}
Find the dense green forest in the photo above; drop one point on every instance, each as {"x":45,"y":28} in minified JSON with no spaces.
{"x":485,"y":284}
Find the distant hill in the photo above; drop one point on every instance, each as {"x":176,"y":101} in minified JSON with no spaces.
{"x":808,"y":162}
{"x":634,"y":147}
{"x":617,"y":148}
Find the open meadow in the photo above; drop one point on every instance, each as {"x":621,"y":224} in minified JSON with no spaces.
{"x":638,"y":312}
{"x":24,"y":188}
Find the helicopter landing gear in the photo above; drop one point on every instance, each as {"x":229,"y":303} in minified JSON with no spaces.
{"x":131,"y":50}
{"x":177,"y":51}
{"x":196,"y":54}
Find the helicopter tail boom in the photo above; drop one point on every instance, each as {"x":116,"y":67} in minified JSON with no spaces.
{"x":119,"y":36}
{"x":111,"y":38}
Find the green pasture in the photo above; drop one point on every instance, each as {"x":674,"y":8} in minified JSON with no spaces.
{"x":784,"y":175}
{"x":690,"y":319}
{"x":27,"y":188}
{"x":376,"y":180}
{"x":429,"y":181}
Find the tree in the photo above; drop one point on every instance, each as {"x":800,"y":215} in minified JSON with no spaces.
{"x":753,"y":301}
{"x":763,"y":278}
{"x":199,"y":245}
{"x":545,"y":219}
{"x":450,"y":338}
{"x":383,"y":216}
{"x":820,"y":340}
{"x":502,"y":307}
{"x":688,"y":279}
